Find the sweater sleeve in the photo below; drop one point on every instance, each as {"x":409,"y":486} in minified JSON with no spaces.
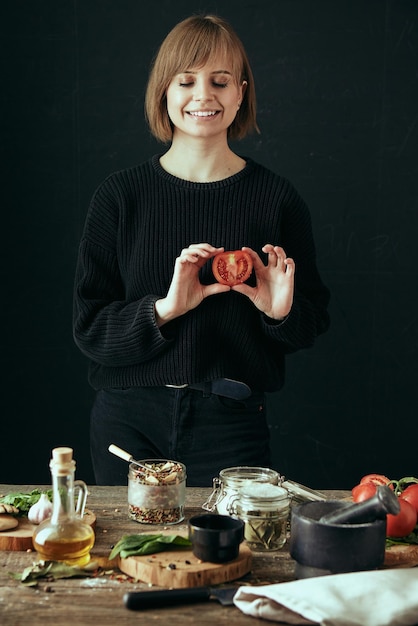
{"x":108,"y":328}
{"x":309,"y":316}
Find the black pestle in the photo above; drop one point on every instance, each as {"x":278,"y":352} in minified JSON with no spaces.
{"x":383,"y":502}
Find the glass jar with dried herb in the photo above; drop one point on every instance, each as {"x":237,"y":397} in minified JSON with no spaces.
{"x":264,"y":509}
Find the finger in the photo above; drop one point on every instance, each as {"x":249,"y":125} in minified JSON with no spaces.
{"x":269,"y":249}
{"x":279,"y":258}
{"x":290,"y":266}
{"x":199,"y":251}
{"x":188,"y":257}
{"x":204,"y":247}
{"x":276,"y":255}
{"x":257,"y":262}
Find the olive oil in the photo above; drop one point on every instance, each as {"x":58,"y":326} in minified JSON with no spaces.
{"x":65,"y":536}
{"x":70,"y":543}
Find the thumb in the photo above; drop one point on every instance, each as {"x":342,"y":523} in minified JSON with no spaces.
{"x":215,"y":288}
{"x":245,"y":289}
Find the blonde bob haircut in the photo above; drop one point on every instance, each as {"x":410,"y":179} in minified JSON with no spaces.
{"x":189,"y":45}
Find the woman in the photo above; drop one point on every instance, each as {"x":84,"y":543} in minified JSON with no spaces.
{"x":181,"y":362}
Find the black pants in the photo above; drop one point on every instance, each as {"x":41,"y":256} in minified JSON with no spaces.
{"x":205,"y":432}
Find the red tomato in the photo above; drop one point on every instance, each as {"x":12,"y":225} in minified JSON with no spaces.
{"x":377,"y":479}
{"x":232,"y":267}
{"x":404,"y":522}
{"x":410,"y":494}
{"x":363,"y":491}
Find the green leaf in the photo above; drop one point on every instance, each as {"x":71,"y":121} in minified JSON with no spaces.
{"x":23,"y":501}
{"x":49,"y":569}
{"x":130,"y":542}
{"x":176,"y":540}
{"x":137,"y":545}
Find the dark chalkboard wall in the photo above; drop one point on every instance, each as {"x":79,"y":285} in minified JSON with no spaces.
{"x":337,"y":85}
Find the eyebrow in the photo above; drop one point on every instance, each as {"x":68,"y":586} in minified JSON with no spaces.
{"x":215,"y":72}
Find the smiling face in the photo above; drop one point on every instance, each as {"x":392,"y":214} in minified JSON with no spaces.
{"x":188,"y":48}
{"x":203,"y":102}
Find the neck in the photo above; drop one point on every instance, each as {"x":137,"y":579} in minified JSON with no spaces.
{"x":200,"y":163}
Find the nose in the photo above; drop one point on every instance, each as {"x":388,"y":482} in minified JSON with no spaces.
{"x":202,"y":91}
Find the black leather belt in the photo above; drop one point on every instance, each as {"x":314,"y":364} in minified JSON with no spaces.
{"x":225,"y":387}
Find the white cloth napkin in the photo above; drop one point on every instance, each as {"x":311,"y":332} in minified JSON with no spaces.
{"x":377,"y":598}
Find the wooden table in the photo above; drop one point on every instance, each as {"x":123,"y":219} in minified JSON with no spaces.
{"x":99,"y":600}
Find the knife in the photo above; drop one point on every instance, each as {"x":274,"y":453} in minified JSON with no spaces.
{"x":138,"y":600}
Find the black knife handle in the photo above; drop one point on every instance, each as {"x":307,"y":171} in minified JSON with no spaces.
{"x":137,"y":600}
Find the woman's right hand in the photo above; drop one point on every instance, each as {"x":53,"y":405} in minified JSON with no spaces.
{"x":186,"y":291}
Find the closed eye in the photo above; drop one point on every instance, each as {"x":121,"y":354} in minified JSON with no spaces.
{"x":214,"y":84}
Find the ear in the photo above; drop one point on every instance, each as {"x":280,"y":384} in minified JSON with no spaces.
{"x":243,"y":87}
{"x":243,"y":90}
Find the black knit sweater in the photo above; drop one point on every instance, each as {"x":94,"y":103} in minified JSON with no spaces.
{"x":138,"y":222}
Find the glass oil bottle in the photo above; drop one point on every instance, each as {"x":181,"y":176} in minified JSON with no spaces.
{"x":65,"y":536}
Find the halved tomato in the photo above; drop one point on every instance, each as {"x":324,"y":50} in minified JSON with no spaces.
{"x":363,"y":491}
{"x":377,"y":479}
{"x":232,"y":267}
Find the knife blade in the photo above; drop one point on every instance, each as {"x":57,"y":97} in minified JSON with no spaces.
{"x":138,"y":600}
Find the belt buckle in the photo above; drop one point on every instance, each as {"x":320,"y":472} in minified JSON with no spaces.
{"x":177,"y":386}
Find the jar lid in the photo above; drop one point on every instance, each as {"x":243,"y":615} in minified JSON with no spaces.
{"x":263,"y":491}
{"x":241,"y":474}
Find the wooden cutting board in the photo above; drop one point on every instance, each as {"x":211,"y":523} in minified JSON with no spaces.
{"x":180,"y":568}
{"x":20,"y":538}
{"x":401,"y":556}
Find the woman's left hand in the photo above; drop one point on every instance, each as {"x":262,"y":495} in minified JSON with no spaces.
{"x":273,"y":294}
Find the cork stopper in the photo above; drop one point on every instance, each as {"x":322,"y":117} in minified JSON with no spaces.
{"x":62,"y":460}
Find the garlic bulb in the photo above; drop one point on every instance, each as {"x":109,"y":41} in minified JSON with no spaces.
{"x":41,"y":510}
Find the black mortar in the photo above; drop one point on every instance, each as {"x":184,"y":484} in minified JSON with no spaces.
{"x":325,"y":548}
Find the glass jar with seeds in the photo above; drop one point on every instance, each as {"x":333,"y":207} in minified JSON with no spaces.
{"x":156,"y":491}
{"x":264,"y":509}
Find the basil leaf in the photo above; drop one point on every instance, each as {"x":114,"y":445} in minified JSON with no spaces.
{"x":24,"y":501}
{"x":137,"y":545}
{"x":176,"y":540}
{"x":130,"y":542}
